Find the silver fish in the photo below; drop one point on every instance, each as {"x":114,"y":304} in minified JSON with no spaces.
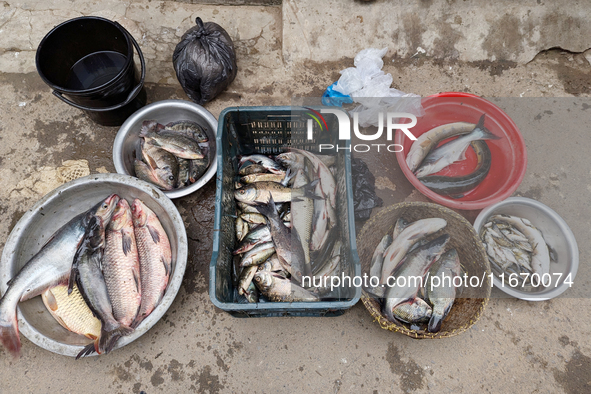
{"x":88,"y":276}
{"x":290,"y":253}
{"x":377,"y":260}
{"x":442,"y":297}
{"x":48,"y":267}
{"x":279,"y":289}
{"x":414,"y":268}
{"x":429,"y":140}
{"x":403,"y":242}
{"x":540,"y":262}
{"x":452,"y":151}
{"x":413,"y":311}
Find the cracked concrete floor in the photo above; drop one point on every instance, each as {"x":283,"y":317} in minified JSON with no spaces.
{"x":516,"y":346}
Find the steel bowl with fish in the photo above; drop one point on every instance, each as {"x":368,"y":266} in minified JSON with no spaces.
{"x":468,"y":155}
{"x":552,"y":243}
{"x":148,"y":145}
{"x":40,"y":229}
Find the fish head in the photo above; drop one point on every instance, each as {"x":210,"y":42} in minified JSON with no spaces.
{"x":139,"y":213}
{"x":245,"y":194}
{"x":166,"y":177}
{"x":106,"y":209}
{"x":121,"y":216}
{"x":247,"y":178}
{"x":290,"y":159}
{"x":263,"y":280}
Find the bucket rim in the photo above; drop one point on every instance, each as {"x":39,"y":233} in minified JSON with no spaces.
{"x":78,"y":92}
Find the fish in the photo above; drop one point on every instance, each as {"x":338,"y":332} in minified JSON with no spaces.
{"x":258,"y":254}
{"x":413,"y":312}
{"x":290,"y":254}
{"x":457,"y":185}
{"x":50,"y":266}
{"x":260,"y":192}
{"x":155,"y":258}
{"x":256,"y":237}
{"x":272,"y":264}
{"x":245,"y":279}
{"x":172,"y":142}
{"x":71,"y":311}
{"x":377,"y":260}
{"x":162,"y":164}
{"x":254,"y":218}
{"x":430,"y":139}
{"x":278,"y":289}
{"x":327,"y":184}
{"x":246,"y":208}
{"x":197,"y":168}
{"x":189,"y":129}
{"x":414,"y":268}
{"x":327,"y":269}
{"x":302,"y":218}
{"x":400,"y":225}
{"x":184,"y":167}
{"x":540,"y":259}
{"x":453,"y":151}
{"x":121,"y":265}
{"x":252,"y":169}
{"x":291,"y":160}
{"x":404,"y":241}
{"x":87,"y":274}
{"x":442,"y":297}
{"x":241,"y":229}
{"x":262,"y":160}
{"x":252,"y":178}
{"x":145,"y":173}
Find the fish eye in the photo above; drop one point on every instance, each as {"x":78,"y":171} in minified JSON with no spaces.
{"x":105,"y":206}
{"x":241,"y":191}
{"x":171,"y":178}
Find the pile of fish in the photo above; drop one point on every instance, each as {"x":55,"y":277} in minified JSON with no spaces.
{"x":415,"y":250}
{"x":171,"y":156}
{"x":425,"y":158}
{"x":515,"y":246}
{"x":100,"y":275}
{"x":286,"y":226}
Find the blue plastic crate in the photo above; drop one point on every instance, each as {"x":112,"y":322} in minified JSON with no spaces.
{"x":270,"y":130}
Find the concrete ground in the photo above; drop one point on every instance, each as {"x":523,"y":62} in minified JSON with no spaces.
{"x":296,"y":49}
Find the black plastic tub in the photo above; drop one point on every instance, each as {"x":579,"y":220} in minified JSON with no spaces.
{"x":268,"y":130}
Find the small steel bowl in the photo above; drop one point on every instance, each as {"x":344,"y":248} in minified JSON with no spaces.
{"x":56,"y":209}
{"x":165,"y":111}
{"x":556,"y":233}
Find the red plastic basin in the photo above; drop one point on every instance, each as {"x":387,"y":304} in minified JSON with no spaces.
{"x":509,"y":155}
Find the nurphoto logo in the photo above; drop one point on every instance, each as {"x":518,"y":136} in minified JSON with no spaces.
{"x":392,"y":120}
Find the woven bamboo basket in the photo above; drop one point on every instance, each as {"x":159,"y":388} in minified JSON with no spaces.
{"x":470,"y":302}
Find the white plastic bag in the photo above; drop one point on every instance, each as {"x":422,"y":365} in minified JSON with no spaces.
{"x":369,"y":86}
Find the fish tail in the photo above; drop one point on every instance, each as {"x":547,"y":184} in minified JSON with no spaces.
{"x":269,"y":210}
{"x":435,"y":323}
{"x":9,"y":336}
{"x":109,"y":338}
{"x":88,"y":350}
{"x":487,"y":135}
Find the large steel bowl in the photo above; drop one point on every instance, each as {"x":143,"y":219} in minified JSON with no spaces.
{"x":165,"y":111}
{"x":556,"y":233}
{"x":56,"y":209}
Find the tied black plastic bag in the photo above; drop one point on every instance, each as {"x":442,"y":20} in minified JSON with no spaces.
{"x":205,"y":61}
{"x":364,"y":190}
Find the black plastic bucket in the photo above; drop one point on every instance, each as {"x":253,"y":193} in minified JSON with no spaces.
{"x":88,"y":62}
